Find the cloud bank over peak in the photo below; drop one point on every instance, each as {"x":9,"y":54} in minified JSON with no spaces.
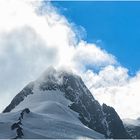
{"x":113,"y":86}
{"x":34,"y":35}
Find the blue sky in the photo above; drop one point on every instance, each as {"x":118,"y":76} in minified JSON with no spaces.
{"x":116,"y":24}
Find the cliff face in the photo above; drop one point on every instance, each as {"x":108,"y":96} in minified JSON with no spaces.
{"x":115,"y":123}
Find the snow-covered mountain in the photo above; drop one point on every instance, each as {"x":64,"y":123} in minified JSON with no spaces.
{"x":59,"y":105}
{"x":133,"y":127}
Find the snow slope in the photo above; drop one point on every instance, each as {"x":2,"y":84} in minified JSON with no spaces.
{"x":48,"y":119}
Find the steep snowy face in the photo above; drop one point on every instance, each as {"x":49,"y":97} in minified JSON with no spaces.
{"x":20,"y":97}
{"x":61,"y":92}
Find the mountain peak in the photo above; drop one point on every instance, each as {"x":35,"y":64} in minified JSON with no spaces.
{"x":49,"y":71}
{"x":60,"y":92}
{"x":52,"y":77}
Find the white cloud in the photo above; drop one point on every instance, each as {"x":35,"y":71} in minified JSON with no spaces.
{"x":86,"y":54}
{"x":116,"y":88}
{"x":34,"y":36}
{"x":108,"y":76}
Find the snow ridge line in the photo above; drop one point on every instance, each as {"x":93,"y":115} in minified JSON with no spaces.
{"x":17,"y":125}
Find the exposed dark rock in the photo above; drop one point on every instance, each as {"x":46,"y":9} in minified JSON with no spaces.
{"x":17,"y":125}
{"x":26,"y":110}
{"x":19,"y":132}
{"x":115,"y":123}
{"x":21,"y":115}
